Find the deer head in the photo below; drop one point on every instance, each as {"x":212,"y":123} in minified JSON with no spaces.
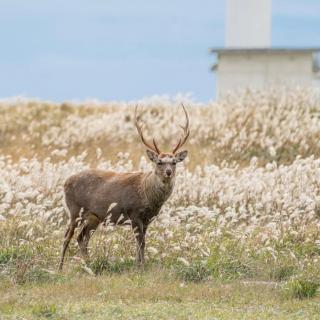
{"x":165,"y":162}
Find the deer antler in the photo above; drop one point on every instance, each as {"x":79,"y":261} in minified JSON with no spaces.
{"x":139,"y":128}
{"x":186,"y":132}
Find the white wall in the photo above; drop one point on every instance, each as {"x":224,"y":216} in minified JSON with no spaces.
{"x":260,"y":70}
{"x":248,"y":23}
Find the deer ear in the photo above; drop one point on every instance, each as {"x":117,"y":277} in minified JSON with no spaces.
{"x":152,"y":155}
{"x":180,"y":156}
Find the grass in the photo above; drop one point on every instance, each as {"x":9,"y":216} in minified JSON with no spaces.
{"x":246,"y":120}
{"x":151,"y":294}
{"x":301,"y":288}
{"x":44,"y":310}
{"x":195,"y":272}
{"x":233,"y":284}
{"x":190,"y":273}
{"x":101,"y":265}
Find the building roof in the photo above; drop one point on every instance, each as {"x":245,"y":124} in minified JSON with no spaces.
{"x":265,"y":50}
{"x":315,"y":64}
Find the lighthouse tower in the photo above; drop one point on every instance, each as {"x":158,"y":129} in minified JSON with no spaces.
{"x":248,"y":24}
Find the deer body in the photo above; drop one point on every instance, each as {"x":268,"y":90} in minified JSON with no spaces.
{"x":138,"y":197}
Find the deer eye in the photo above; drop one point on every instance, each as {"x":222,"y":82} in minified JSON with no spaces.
{"x":160,"y":163}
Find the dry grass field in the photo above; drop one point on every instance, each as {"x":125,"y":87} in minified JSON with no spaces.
{"x":238,"y":239}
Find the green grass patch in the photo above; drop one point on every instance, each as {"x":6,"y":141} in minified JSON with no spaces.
{"x":14,"y":254}
{"x":195,"y":272}
{"x":101,"y":264}
{"x":301,"y":288}
{"x":151,"y":295}
{"x":47,"y":311}
{"x":282,"y":272}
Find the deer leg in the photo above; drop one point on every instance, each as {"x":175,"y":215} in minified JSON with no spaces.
{"x":89,"y":226}
{"x":139,"y":230}
{"x":74,"y":212}
{"x":68,"y":235}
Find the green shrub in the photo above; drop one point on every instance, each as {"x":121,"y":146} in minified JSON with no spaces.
{"x":231,"y":269}
{"x":38,"y":275}
{"x":282,"y":272}
{"x":6,"y":256}
{"x":12,"y":254}
{"x":44,"y":310}
{"x":300,"y":288}
{"x":231,"y":263}
{"x":101,"y":264}
{"x":195,"y":272}
{"x":20,"y":266}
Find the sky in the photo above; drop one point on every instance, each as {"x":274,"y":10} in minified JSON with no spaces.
{"x":126,"y":50}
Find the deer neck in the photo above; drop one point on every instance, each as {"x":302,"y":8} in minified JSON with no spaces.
{"x":156,"y":190}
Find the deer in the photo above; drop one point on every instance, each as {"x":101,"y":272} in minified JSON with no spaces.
{"x":136,"y":197}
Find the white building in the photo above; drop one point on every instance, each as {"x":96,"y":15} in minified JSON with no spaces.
{"x":248,"y":61}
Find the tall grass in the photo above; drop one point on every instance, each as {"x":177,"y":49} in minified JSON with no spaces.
{"x":245,"y":206}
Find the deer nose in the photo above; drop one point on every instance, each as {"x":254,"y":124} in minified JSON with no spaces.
{"x":168,"y":172}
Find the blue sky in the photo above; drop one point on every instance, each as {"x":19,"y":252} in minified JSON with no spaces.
{"x":124,"y":50}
